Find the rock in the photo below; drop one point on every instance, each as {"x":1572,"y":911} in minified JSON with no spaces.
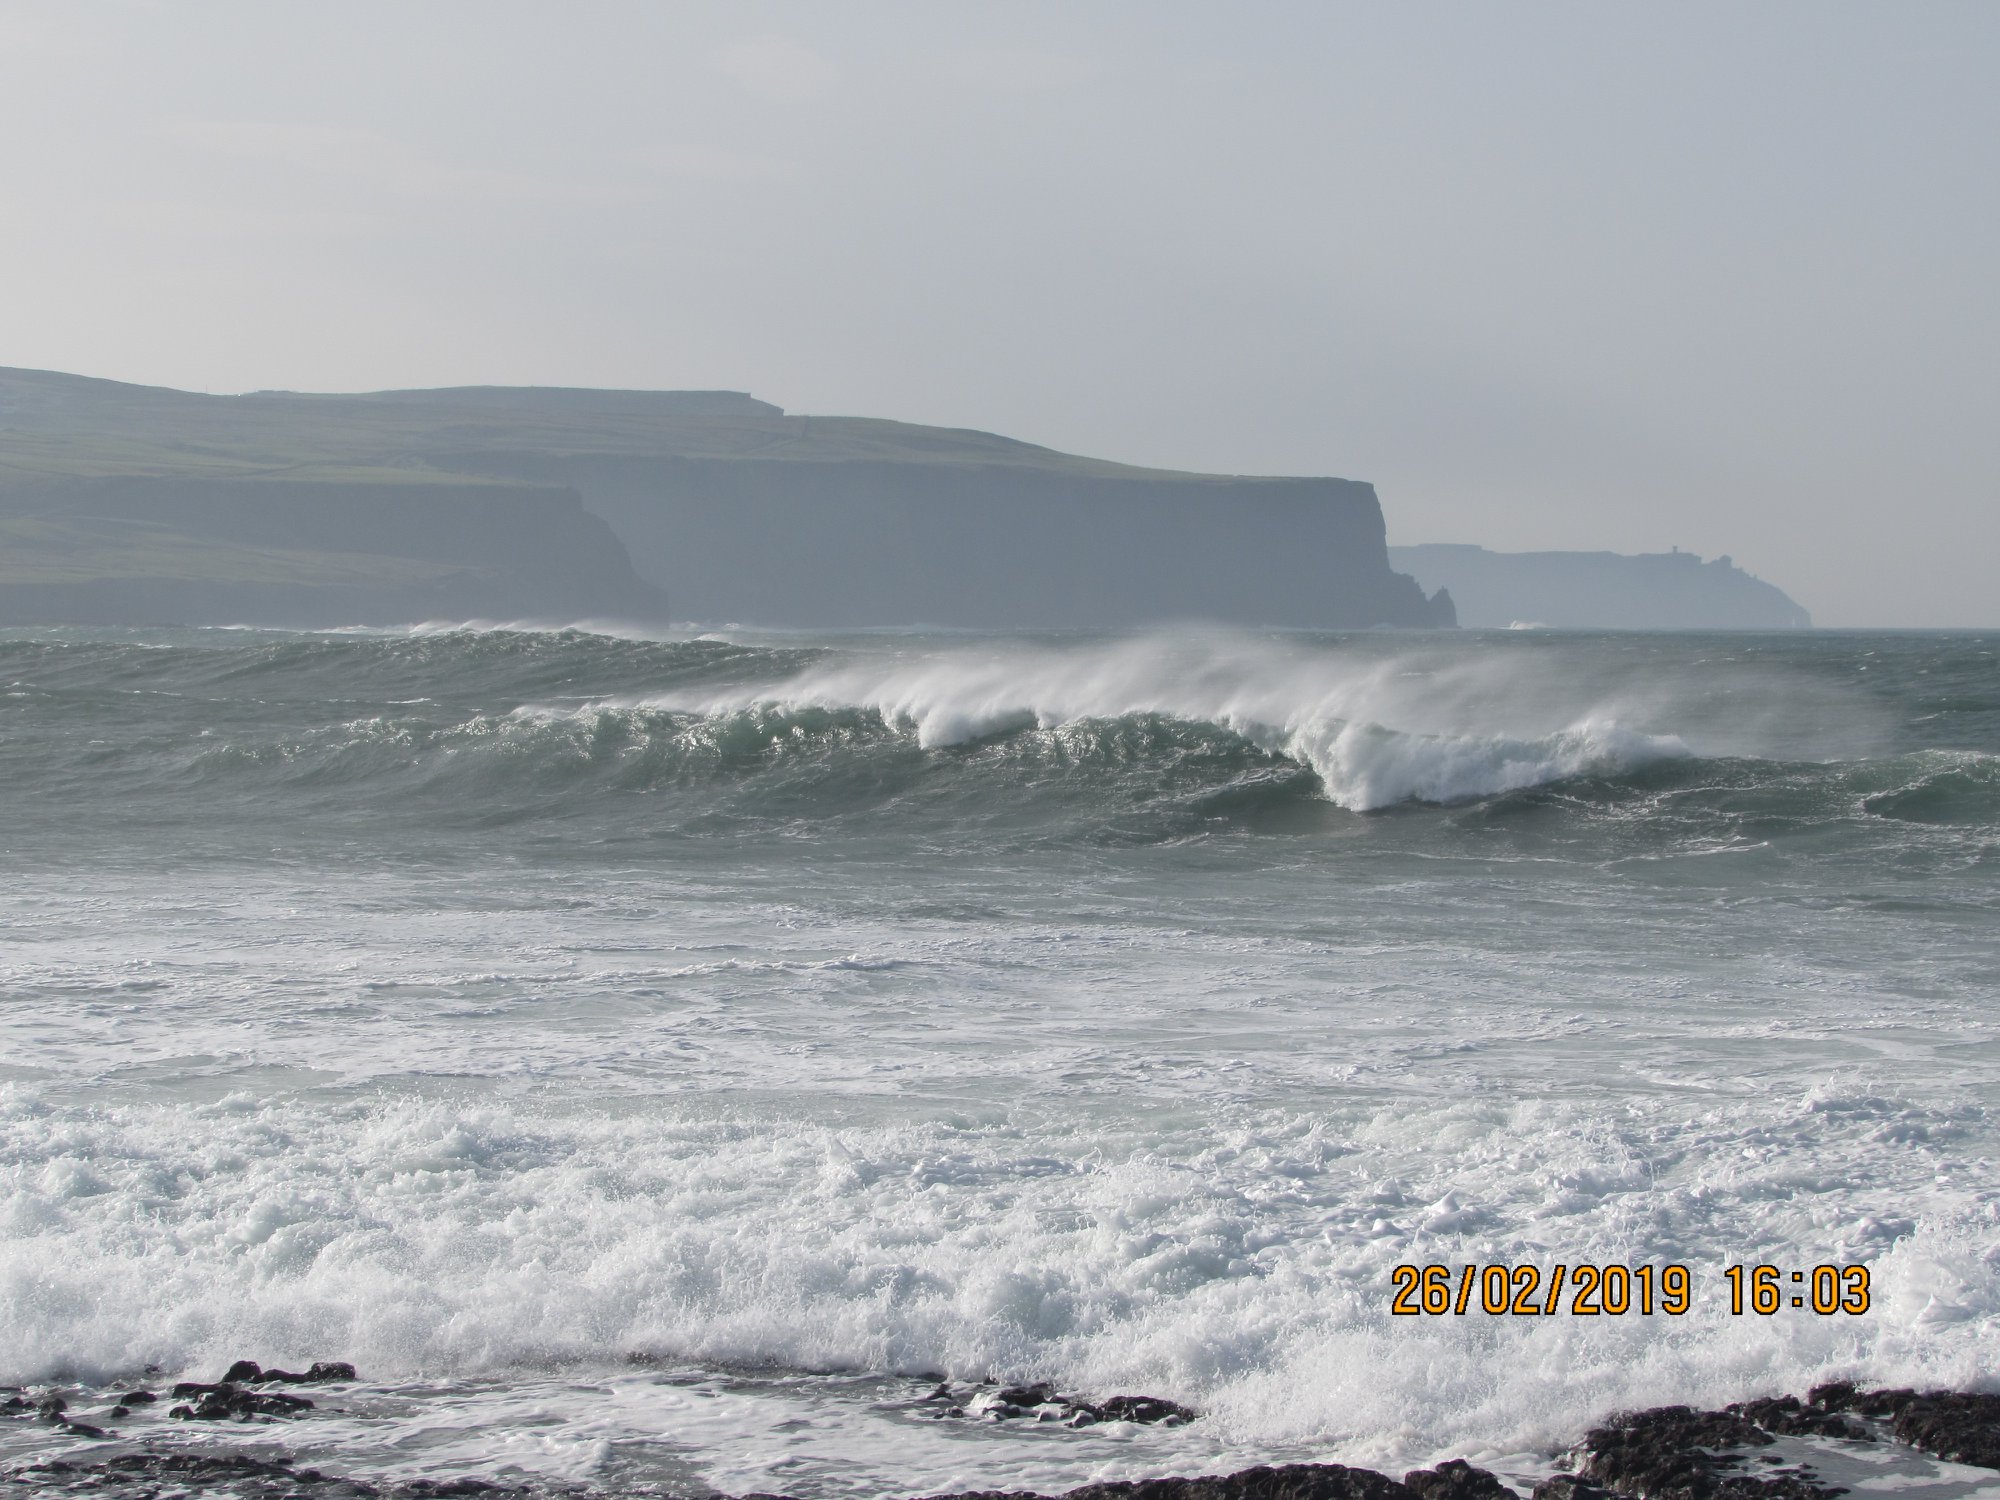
{"x":1028,"y":1395}
{"x":1144,"y":1409}
{"x":1787,"y":1417}
{"x":82,"y":1429}
{"x":1960,"y":1427}
{"x":243,"y":1369}
{"x":138,"y":1398}
{"x":51,"y":1406}
{"x":1044,"y":1403}
{"x":1672,"y":1453}
{"x":14,"y":1404}
{"x":1284,"y":1482}
{"x":1455,"y":1479}
{"x":1569,"y":1487}
{"x":226,"y":1402}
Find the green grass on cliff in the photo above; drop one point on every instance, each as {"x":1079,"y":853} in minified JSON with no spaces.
{"x":57,"y":427}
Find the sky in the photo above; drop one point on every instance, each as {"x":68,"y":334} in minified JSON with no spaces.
{"x":1717,"y":276}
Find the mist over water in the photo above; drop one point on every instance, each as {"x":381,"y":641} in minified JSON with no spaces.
{"x":487,"y":1006}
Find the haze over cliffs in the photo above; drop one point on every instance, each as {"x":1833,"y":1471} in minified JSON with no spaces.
{"x":1600,"y":590}
{"x":131,"y":504}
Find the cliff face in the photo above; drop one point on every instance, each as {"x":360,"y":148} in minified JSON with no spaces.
{"x":1601,"y":590}
{"x":123,"y":502}
{"x":861,"y":542}
{"x":134,"y":551}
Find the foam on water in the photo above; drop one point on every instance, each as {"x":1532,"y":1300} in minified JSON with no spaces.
{"x":1240,"y":1264}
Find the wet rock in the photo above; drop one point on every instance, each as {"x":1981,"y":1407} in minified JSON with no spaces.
{"x":1455,"y":1479}
{"x":82,"y":1429}
{"x":1147,"y":1409}
{"x":138,"y":1398}
{"x":1569,"y":1487}
{"x":1678,"y":1453}
{"x":217,"y":1474}
{"x":1787,"y":1416}
{"x":226,"y":1403}
{"x":1960,"y":1427}
{"x":1042,"y":1402}
{"x":1027,"y":1396}
{"x":1283,"y":1482}
{"x":14,"y":1404}
{"x":243,"y":1370}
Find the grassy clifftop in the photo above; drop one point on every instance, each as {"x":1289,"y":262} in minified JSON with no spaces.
{"x":55,"y":426}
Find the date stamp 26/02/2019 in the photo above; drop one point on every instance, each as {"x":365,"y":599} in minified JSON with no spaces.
{"x":1585,"y":1290}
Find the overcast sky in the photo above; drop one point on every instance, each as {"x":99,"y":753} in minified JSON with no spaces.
{"x":1725,"y":277}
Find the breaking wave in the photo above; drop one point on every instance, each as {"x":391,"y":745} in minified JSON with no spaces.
{"x":1375,"y":732}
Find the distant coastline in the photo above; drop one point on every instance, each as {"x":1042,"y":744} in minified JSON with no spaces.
{"x":124,"y":504}
{"x":1600,"y":590}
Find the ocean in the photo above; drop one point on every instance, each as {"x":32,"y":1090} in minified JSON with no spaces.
{"x":660,"y":1064}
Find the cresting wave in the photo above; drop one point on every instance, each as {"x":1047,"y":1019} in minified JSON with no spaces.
{"x":1375,"y":732}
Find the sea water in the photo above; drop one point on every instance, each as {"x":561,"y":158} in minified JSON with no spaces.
{"x":661,"y":1061}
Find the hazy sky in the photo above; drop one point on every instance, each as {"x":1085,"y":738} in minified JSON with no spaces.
{"x":1582,"y":275}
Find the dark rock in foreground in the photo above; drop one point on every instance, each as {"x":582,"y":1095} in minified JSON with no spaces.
{"x":1667,"y":1453}
{"x":1678,"y":1453}
{"x":1455,"y":1479}
{"x":1284,"y":1482}
{"x":1961,"y":1427}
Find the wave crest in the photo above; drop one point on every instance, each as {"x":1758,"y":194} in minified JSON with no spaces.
{"x":1375,"y":731}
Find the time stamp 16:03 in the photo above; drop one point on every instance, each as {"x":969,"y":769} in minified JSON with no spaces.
{"x":1591,"y":1291}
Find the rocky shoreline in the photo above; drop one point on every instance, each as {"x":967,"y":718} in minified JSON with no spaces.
{"x":1665,"y":1453}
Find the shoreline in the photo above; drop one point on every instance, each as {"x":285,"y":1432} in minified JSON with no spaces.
{"x":1770,"y":1448}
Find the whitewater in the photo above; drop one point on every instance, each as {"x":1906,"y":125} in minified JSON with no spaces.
{"x":660,"y":1060}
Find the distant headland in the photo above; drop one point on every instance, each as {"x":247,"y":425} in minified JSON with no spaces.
{"x":124,"y":504}
{"x":1600,"y":590}
{"x":139,"y":505}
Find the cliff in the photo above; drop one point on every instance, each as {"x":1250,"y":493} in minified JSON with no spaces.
{"x":129,"y":501}
{"x":1602,"y":590}
{"x":137,"y":551}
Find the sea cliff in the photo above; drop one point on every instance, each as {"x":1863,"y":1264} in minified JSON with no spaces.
{"x":132,"y":504}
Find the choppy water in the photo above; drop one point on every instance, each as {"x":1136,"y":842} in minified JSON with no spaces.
{"x":488,"y":1007}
